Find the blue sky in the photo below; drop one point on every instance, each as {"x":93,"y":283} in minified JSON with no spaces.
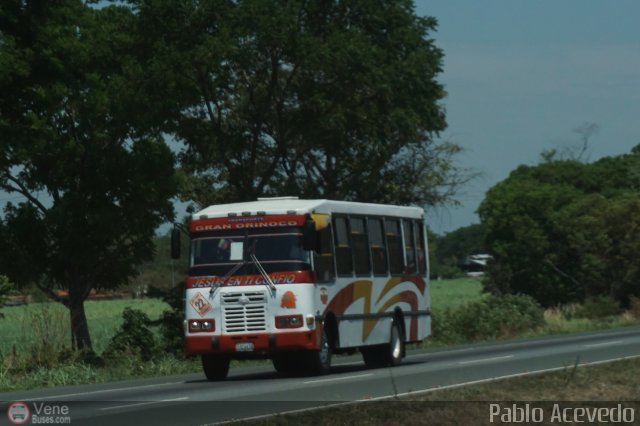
{"x":522,"y":75}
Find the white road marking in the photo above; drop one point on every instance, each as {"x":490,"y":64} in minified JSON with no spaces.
{"x":495,"y":358}
{"x":53,"y":397}
{"x":423,"y":391}
{"x":144,"y":403}
{"x":337,"y":378}
{"x":494,"y":379}
{"x":448,"y":352}
{"x":595,"y":345}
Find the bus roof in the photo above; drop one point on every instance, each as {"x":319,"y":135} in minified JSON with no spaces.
{"x":293,"y":205}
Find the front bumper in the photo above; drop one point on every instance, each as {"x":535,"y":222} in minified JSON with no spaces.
{"x":263,"y":343}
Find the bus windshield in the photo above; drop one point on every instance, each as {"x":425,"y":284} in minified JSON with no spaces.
{"x":277,"y":252}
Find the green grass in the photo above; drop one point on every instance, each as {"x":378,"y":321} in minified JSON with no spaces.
{"x":454,"y":293}
{"x":24,"y":325}
{"x":556,"y":323}
{"x":74,"y":373}
{"x":451,"y":295}
{"x":41,"y":330}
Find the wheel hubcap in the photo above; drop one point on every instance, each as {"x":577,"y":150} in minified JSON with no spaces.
{"x":396,"y":344}
{"x":324,"y":349}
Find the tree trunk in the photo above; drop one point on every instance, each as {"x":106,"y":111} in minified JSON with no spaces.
{"x":80,"y":337}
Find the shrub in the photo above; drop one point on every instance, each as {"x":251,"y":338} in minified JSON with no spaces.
{"x":134,"y":337}
{"x":49,"y":329}
{"x":597,"y":307}
{"x":171,"y":322}
{"x":634,"y":307}
{"x":491,"y":318}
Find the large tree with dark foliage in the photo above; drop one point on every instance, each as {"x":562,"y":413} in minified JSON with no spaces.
{"x":87,"y":187}
{"x":333,"y":98}
{"x":563,"y":231}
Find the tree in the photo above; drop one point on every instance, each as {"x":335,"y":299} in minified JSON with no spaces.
{"x":319,"y":99}
{"x":522,"y":240}
{"x":603,"y":240}
{"x":563,"y":231}
{"x":579,"y":152}
{"x":462,"y":242}
{"x":162,"y":272}
{"x":5,"y":287}
{"x":94,"y":184}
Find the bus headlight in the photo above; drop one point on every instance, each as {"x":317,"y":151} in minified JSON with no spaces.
{"x":202,"y":326}
{"x":289,"y":321}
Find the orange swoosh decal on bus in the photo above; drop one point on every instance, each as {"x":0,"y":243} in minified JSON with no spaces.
{"x":362,"y":289}
{"x":394,"y":281}
{"x":345,"y":297}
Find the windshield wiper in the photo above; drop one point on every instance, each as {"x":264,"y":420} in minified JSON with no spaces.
{"x":226,"y":277}
{"x":268,"y":281}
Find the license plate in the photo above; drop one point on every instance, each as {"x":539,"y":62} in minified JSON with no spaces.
{"x":244,"y":347}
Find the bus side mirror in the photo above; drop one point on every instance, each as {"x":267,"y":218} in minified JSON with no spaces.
{"x":175,"y":243}
{"x":309,"y":235}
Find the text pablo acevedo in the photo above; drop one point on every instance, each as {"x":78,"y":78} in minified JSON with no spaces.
{"x":560,"y":413}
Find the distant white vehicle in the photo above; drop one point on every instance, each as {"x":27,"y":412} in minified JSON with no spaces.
{"x":474,"y":265}
{"x":297,"y":280}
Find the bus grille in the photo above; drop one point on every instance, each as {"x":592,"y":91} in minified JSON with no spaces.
{"x":244,"y":311}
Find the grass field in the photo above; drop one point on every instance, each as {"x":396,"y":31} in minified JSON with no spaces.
{"x":454,"y":293}
{"x":30,"y":328}
{"x":24,"y":325}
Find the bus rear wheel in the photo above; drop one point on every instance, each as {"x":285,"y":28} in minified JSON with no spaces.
{"x":215,"y":367}
{"x":387,"y":355}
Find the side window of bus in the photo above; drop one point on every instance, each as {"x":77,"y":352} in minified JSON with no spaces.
{"x":206,"y":251}
{"x":378,"y":249}
{"x":420,"y":248}
{"x":323,"y":261}
{"x":409,"y":246}
{"x":360,"y":246}
{"x":394,"y":243}
{"x":344,"y":259}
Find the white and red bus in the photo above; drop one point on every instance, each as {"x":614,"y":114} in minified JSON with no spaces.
{"x":299,"y":280}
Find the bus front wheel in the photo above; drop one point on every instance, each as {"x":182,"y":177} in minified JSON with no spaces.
{"x":319,"y":361}
{"x":215,"y":367}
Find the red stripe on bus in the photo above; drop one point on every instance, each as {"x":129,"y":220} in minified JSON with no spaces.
{"x":246,"y":222}
{"x":297,"y":277}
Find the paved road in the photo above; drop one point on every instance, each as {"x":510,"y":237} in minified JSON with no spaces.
{"x":255,"y":391}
